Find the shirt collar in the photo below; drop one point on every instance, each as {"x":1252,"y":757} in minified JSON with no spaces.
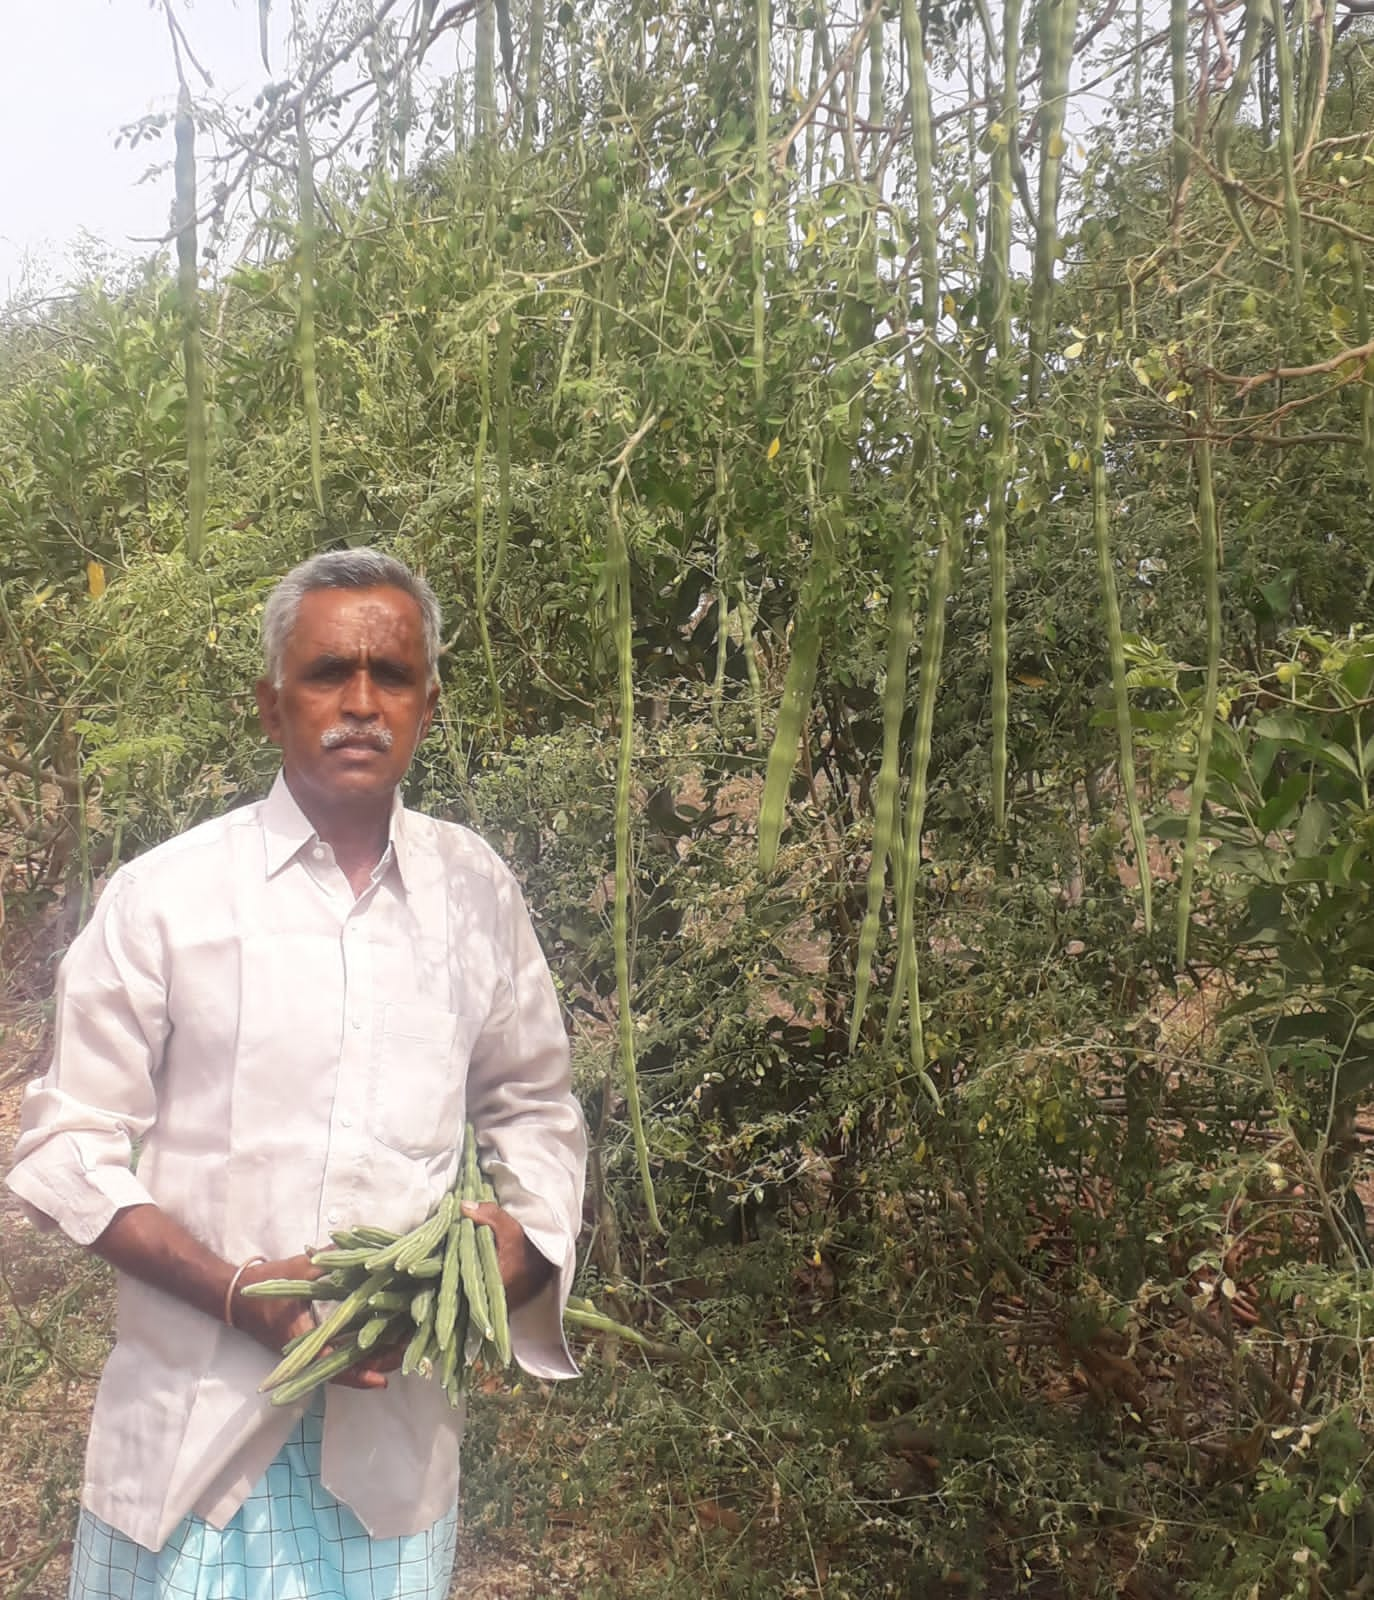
{"x":287,"y":830}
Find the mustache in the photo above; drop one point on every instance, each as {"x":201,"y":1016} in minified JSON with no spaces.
{"x":343,"y":733}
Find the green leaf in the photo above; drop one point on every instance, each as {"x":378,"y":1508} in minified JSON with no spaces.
{"x":1313,"y":830}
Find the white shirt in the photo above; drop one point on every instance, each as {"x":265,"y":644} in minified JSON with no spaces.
{"x":293,"y":1060}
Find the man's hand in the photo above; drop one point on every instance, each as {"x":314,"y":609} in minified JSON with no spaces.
{"x":274,"y":1321}
{"x":524,"y":1270}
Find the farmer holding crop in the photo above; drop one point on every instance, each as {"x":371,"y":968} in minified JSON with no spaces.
{"x":288,"y":1015}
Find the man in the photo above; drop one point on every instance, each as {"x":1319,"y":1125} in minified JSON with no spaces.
{"x":289,"y":1013}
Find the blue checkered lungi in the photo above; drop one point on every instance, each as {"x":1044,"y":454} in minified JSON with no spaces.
{"x":290,"y":1540}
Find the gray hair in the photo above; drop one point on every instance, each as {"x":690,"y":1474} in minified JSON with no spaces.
{"x":344,"y":569}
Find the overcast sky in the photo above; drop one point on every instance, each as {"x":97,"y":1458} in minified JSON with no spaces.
{"x":72,"y":73}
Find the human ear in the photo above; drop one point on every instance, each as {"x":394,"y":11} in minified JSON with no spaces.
{"x":269,"y":708}
{"x":431,"y":700}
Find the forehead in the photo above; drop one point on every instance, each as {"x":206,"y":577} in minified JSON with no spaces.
{"x":354,"y":621}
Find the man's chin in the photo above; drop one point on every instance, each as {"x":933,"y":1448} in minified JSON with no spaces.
{"x":349,"y":782}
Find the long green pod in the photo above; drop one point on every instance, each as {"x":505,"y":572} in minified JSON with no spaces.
{"x":364,"y":1233}
{"x":446,"y":1317}
{"x":1002,"y":440}
{"x":333,"y":1325}
{"x":481,"y":579}
{"x":887,"y":792}
{"x":587,"y":1316}
{"x":947,"y":564}
{"x":449,"y":1356}
{"x":305,"y":322}
{"x":1316,"y":83}
{"x":352,"y":1256}
{"x":319,"y":1372}
{"x":745,"y":613}
{"x":827,"y":517}
{"x":927,"y":217}
{"x":1292,"y":206}
{"x":1234,"y":99}
{"x":373,"y":1329}
{"x":763,"y":70}
{"x":1361,"y":302}
{"x":618,"y":585}
{"x":907,"y":976}
{"x":474,"y":1287}
{"x":192,"y":348}
{"x":792,"y":710}
{"x":388,"y":1300}
{"x":389,"y":1254}
{"x":722,"y":582}
{"x":418,"y":1350}
{"x":461,"y":1327}
{"x":534,"y":61}
{"x":1180,"y":149}
{"x":294,"y":1288}
{"x":1111,"y":609}
{"x":1057,"y":19}
{"x":496,"y":1293}
{"x":470,"y":1185}
{"x":505,"y":339}
{"x":427,"y":1237}
{"x":484,"y":87}
{"x":1209,"y":534}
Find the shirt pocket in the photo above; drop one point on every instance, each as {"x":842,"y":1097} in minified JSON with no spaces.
{"x":417,"y":1089}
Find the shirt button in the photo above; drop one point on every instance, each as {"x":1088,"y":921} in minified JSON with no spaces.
{"x":318,"y":852}
{"x":355,"y":1022}
{"x":333,"y":1216}
{"x":346,"y":1122}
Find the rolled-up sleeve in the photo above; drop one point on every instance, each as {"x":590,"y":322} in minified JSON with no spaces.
{"x":530,"y":1131}
{"x":81,"y":1121}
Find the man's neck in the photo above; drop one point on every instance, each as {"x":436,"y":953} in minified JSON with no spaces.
{"x":357,"y":833}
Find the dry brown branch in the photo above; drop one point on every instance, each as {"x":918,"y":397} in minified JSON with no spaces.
{"x":64,"y":781}
{"x":841,"y":63}
{"x":1244,"y":384}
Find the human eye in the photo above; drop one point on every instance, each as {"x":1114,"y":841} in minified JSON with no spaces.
{"x":328,"y":669}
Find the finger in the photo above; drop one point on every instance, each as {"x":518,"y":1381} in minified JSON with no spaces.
{"x":486,"y":1213}
{"x":360,"y":1378}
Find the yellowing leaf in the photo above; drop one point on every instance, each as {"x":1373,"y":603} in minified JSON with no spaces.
{"x":1058,"y":145}
{"x":1074,"y":350}
{"x":759,"y":219}
{"x":947,"y":305}
{"x":774,"y":448}
{"x":95,"y":579}
{"x":665,"y":424}
{"x":1075,"y":460}
{"x":811,"y":235}
{"x":1030,"y":680}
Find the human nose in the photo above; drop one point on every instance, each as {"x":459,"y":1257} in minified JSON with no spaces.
{"x":360,"y":699}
